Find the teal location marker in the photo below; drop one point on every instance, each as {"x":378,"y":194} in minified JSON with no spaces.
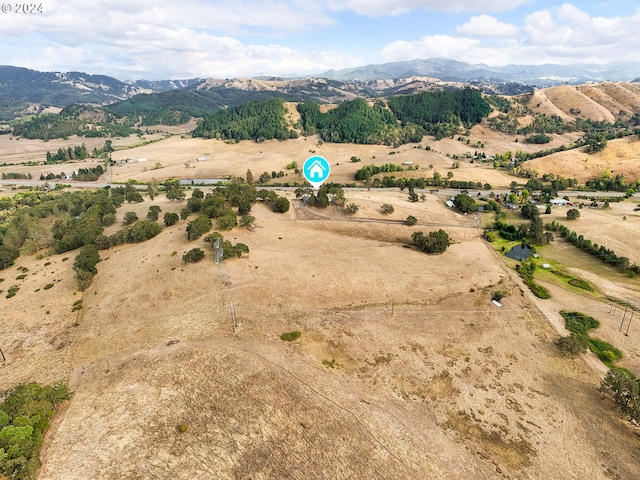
{"x":316,"y":170}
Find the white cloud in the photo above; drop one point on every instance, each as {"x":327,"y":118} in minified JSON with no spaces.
{"x":154,"y":53}
{"x":445,"y":46}
{"x":565,"y":34}
{"x":487,"y":26}
{"x":379,"y":8}
{"x":156,"y":38}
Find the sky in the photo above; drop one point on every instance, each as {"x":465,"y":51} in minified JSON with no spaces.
{"x":160,"y":39}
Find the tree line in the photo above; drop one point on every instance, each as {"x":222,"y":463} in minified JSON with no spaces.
{"x":79,"y":152}
{"x":601,"y":252}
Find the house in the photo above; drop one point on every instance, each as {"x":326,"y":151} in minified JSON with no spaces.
{"x":201,"y":159}
{"x":316,"y":170}
{"x":561,"y":202}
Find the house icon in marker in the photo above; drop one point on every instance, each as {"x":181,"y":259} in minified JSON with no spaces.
{"x":316,"y":170}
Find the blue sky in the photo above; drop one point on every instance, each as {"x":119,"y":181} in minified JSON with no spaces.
{"x":158,"y":39}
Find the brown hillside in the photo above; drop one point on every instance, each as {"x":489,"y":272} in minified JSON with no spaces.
{"x":541,"y":103}
{"x":569,"y":98}
{"x":622,"y":96}
{"x":621,"y":156}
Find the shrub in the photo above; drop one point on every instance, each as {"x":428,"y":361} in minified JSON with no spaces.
{"x":290,"y":336}
{"x":198,"y":227}
{"x":247,"y":221}
{"x":193,"y":256}
{"x":573,"y":214}
{"x":579,"y":323}
{"x":129,"y":218}
{"x":576,"y":282}
{"x":227,"y":221}
{"x":171,"y":218}
{"x":410,"y":221}
{"x":387,"y":208}
{"x":605,"y":351}
{"x":498,"y":295}
{"x":573,"y":345}
{"x":11,"y":292}
{"x":351,"y":209}
{"x":539,"y":138}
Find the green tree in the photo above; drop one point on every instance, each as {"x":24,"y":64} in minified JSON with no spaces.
{"x":131,"y":194}
{"x":154,"y":212}
{"x":622,"y":387}
{"x":87,"y":259}
{"x":435,"y":242}
{"x":227,"y":221}
{"x":281,"y":205}
{"x":411,"y":221}
{"x":8,"y":256}
{"x":129,"y":218}
{"x":465,"y":203}
{"x":387,"y":208}
{"x":198,"y":227}
{"x":170,"y":218}
{"x":175,"y":192}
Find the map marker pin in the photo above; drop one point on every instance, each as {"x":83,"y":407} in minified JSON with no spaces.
{"x":316,"y":170}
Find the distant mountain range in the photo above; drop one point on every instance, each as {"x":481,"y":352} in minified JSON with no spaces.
{"x":452,"y":70}
{"x":24,"y":91}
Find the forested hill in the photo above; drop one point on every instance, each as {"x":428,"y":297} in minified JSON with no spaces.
{"x":166,"y":108}
{"x":404,"y":119}
{"x":258,"y":119}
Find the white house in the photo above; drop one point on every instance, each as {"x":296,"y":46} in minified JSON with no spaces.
{"x":561,"y":202}
{"x":201,"y":159}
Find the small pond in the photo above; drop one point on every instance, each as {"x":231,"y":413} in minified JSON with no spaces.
{"x":519,"y":252}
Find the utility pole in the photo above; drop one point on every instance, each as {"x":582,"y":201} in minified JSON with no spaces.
{"x":626,"y":307}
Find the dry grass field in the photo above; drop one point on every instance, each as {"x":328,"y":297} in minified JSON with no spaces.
{"x":404,"y":368}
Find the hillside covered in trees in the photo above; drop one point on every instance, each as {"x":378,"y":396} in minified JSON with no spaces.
{"x":259,"y":119}
{"x":174,"y":107}
{"x":440,"y":113}
{"x":405,"y":119}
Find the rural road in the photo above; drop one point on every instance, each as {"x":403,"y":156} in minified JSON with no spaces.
{"x":449,"y":192}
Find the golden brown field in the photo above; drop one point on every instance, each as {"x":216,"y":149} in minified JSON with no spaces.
{"x":404,"y":368}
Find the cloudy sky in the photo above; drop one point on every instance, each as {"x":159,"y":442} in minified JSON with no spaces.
{"x":160,"y":39}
